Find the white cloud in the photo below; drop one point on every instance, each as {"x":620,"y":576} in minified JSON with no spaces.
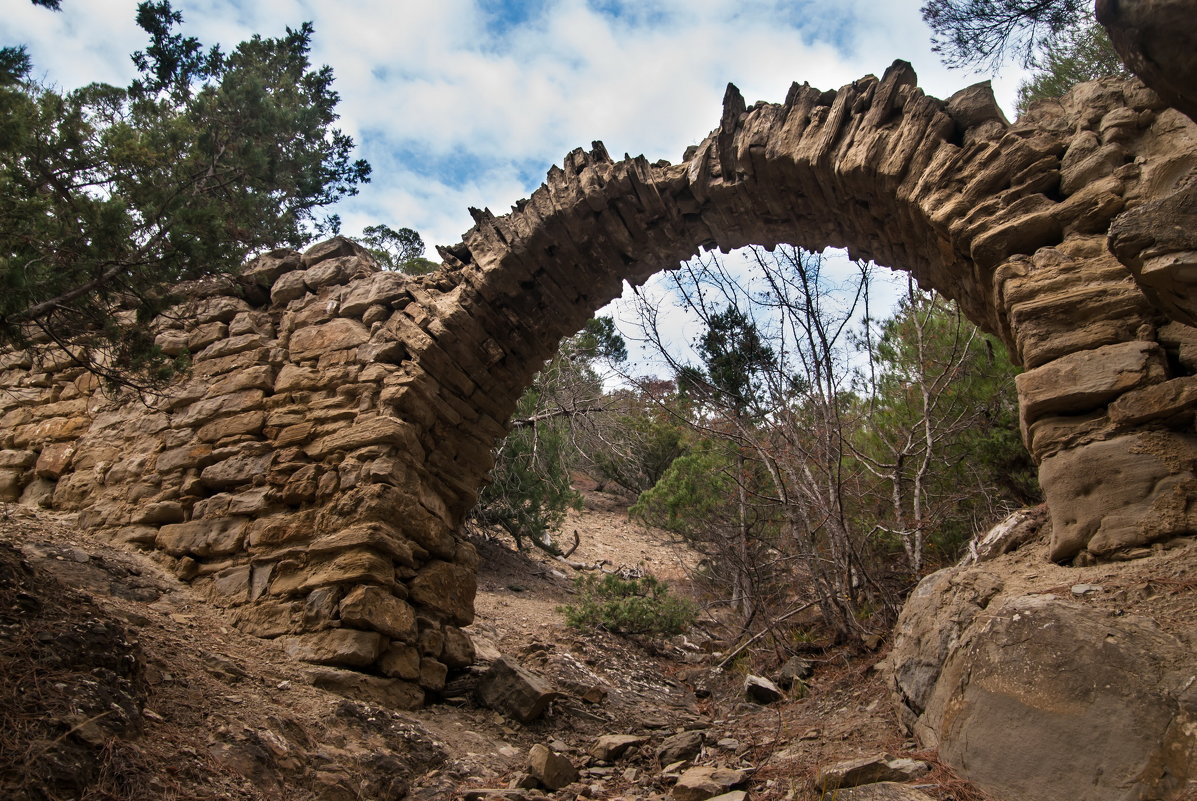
{"x":433,"y":79}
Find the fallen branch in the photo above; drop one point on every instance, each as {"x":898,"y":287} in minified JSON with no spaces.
{"x":573,"y":547}
{"x":527,"y":422}
{"x":727,"y":660}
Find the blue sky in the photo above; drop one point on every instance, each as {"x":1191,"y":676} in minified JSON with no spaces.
{"x":460,"y":103}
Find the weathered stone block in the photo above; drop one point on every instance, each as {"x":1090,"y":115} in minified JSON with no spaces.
{"x":338,"y":334}
{"x":868,"y":770}
{"x":380,"y":288}
{"x":701,"y":783}
{"x":54,"y":460}
{"x":276,"y":530}
{"x":297,"y":434}
{"x":683,"y":746}
{"x":1083,"y":381}
{"x":514,"y":691}
{"x":57,"y":429}
{"x":335,"y":248}
{"x":293,"y":377}
{"x":203,"y":538}
{"x":458,"y":651}
{"x":1174,"y":400}
{"x":400,"y":661}
{"x":187,"y":457}
{"x":159,"y":513}
{"x":204,"y":411}
{"x":230,"y":346}
{"x":432,"y":674}
{"x":1121,"y":493}
{"x":241,"y":468}
{"x":17,"y":459}
{"x":236,"y":425}
{"x":762,"y":691}
{"x":218,"y":309}
{"x":1180,"y":340}
{"x":251,"y":503}
{"x":288,"y":287}
{"x":431,"y":641}
{"x":374,"y":608}
{"x":230,"y":586}
{"x":371,"y":431}
{"x":234,"y":363}
{"x":387,"y":693}
{"x":301,"y":486}
{"x":550,"y":768}
{"x":376,"y":535}
{"x":38,"y":493}
{"x":352,"y":567}
{"x":202,"y":336}
{"x":253,"y":322}
{"x":337,"y":271}
{"x":611,"y":747}
{"x":447,"y":588}
{"x":334,"y":647}
{"x":391,"y":505}
{"x":268,"y":267}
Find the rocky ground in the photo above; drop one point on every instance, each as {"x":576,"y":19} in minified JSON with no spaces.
{"x":118,"y":682}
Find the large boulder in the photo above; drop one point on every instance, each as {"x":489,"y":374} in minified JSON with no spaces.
{"x":1034,"y":697}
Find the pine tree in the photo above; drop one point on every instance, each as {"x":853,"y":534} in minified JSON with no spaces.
{"x":110,"y":195}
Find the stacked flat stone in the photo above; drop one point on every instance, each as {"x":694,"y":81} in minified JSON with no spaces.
{"x":276,"y":476}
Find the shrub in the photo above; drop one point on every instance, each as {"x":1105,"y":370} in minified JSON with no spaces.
{"x":629,"y":606}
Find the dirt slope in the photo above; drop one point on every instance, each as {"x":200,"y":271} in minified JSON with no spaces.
{"x":119,"y":682}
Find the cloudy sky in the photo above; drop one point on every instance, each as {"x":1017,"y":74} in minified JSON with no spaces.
{"x":460,"y":103}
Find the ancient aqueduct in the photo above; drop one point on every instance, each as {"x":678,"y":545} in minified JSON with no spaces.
{"x":313,"y":470}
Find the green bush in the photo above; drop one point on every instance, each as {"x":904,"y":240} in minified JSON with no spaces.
{"x":629,"y":606}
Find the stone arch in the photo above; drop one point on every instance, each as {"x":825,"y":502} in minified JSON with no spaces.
{"x":1011,"y":221}
{"x":313,"y":470}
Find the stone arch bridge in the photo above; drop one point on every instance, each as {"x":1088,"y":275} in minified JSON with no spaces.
{"x":312,"y":471}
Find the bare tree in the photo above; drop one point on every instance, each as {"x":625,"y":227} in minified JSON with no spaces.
{"x":785,"y":406}
{"x":849,"y":438}
{"x":986,"y":33}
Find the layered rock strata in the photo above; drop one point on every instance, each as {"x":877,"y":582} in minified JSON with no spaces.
{"x":312,"y":470}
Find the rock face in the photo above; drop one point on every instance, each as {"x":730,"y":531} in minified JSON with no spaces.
{"x":312,"y":469}
{"x":1037,"y":696}
{"x":1154,"y":38}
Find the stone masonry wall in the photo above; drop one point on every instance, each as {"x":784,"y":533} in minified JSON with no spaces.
{"x":276,"y":476}
{"x":311,"y":471}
